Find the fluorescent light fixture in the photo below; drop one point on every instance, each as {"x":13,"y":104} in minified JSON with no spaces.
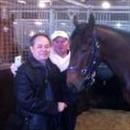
{"x":106,"y":5}
{"x":82,"y":0}
{"x":38,"y":23}
{"x":63,"y":24}
{"x":21,"y":1}
{"x":41,"y":4}
{"x":118,"y":25}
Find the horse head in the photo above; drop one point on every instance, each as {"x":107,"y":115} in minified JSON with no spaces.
{"x":83,"y":53}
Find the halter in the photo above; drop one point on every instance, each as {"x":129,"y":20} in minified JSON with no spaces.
{"x":89,"y":71}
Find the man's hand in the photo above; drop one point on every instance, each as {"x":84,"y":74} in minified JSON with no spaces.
{"x":61,"y":106}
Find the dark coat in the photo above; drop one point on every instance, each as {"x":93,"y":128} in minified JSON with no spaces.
{"x":30,"y":85}
{"x":68,"y":117}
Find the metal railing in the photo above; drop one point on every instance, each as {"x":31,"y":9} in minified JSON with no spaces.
{"x":28,"y":21}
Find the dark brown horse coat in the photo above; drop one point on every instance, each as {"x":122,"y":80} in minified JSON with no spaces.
{"x":113,"y":47}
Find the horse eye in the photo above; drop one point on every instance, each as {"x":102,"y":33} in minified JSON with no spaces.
{"x":83,"y":72}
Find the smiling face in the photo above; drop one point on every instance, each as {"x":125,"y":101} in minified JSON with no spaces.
{"x":41,"y":48}
{"x":61,"y":46}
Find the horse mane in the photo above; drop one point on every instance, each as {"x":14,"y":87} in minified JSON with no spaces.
{"x":122,"y":32}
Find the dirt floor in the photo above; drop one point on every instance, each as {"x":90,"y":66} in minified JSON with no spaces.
{"x":101,"y":119}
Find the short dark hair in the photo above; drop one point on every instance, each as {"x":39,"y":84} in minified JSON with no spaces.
{"x":37,"y":35}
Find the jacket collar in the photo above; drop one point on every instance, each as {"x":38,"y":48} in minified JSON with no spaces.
{"x":34,"y":63}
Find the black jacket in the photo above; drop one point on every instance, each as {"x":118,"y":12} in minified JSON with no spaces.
{"x":30,"y":87}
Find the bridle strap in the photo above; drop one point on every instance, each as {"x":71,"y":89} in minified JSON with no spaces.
{"x":90,"y":69}
{"x":94,"y":61}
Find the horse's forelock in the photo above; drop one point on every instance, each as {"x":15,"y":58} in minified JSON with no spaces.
{"x":82,"y":31}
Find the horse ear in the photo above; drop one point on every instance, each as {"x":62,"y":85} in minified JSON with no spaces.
{"x":75,"y":20}
{"x":91,"y":20}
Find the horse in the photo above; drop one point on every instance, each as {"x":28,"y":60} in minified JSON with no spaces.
{"x":92,"y":43}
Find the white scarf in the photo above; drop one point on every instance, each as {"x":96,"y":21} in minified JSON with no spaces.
{"x":61,"y":62}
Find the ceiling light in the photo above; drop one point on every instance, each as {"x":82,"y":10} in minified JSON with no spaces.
{"x":21,"y":1}
{"x":106,"y":5}
{"x":38,"y":23}
{"x":118,"y":25}
{"x":82,"y":0}
{"x":63,"y":24}
{"x":42,"y":3}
